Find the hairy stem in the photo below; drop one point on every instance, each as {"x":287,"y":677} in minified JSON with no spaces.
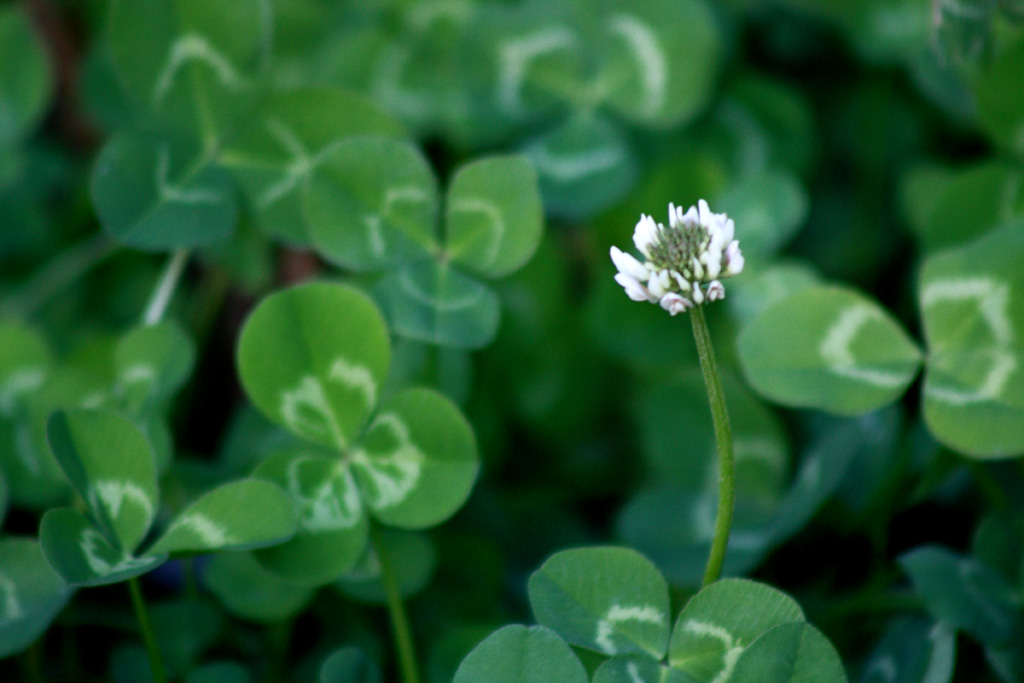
{"x":399,"y":621}
{"x":723,"y":439}
{"x":146,"y":627}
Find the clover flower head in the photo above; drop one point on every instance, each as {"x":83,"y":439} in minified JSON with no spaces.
{"x":684,"y":263}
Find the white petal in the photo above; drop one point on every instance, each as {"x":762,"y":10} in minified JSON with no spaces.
{"x":698,"y":295}
{"x":680,"y":280}
{"x":698,"y":269}
{"x":714,"y":264}
{"x":645,"y":234}
{"x":706,"y":217}
{"x":730,"y":230}
{"x":691,"y":217}
{"x":716,"y":291}
{"x":634,"y":290}
{"x":735,"y":258}
{"x":673,"y":215}
{"x":629,"y":265}
{"x":659,"y":283}
{"x":673,"y":303}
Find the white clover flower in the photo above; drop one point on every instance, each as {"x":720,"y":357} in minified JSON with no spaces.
{"x":685,"y":262}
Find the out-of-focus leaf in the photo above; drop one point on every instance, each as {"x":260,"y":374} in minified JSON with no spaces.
{"x":158,"y":194}
{"x":412,"y":558}
{"x":912,"y":651}
{"x":964,"y":593}
{"x":280,"y":141}
{"x":828,"y":348}
{"x":1001,"y":102}
{"x":973,"y":399}
{"x":438,"y":304}
{"x":25,"y":81}
{"x":249,"y":591}
{"x":32,"y":594}
{"x":585,"y":165}
{"x":517,"y":654}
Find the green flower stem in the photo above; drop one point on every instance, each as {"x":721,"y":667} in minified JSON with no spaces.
{"x":147,"y":631}
{"x":32,"y":663}
{"x":723,"y":438}
{"x":59,"y":272}
{"x":161,"y":297}
{"x":399,"y":621}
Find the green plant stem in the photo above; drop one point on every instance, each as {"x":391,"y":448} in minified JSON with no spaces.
{"x":399,"y":621}
{"x":146,"y":627}
{"x":32,"y":663}
{"x":723,"y":439}
{"x":161,"y":297}
{"x":59,"y":272}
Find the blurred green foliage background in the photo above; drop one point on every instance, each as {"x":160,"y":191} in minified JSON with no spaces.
{"x":851,"y":141}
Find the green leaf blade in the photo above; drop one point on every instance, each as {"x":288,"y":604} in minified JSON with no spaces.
{"x":517,"y":654}
{"x":82,"y":556}
{"x":251,"y":592}
{"x":109,"y":462}
{"x":189,"y":64}
{"x":495,"y":216}
{"x":235,"y":516}
{"x":438,"y":304}
{"x":279,"y":142}
{"x":721,"y":621}
{"x":349,"y":665}
{"x":418,"y":461}
{"x":790,"y":653}
{"x":23,"y":365}
{"x":970,"y":305}
{"x":660,"y":60}
{"x":584,"y":165}
{"x":25,"y":82}
{"x":333,"y":530}
{"x":413,"y":559}
{"x":31,"y":594}
{"x":1000,"y":101}
{"x":157,"y":195}
{"x":371,"y":202}
{"x":964,"y":593}
{"x":313,"y":359}
{"x":611,"y":600}
{"x":637,"y":669}
{"x":828,"y":348}
{"x":151,"y":362}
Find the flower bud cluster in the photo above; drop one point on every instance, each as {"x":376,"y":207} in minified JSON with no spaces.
{"x":684,"y":263}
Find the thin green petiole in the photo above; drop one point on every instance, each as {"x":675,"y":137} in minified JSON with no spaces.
{"x":723,"y":439}
{"x":146,"y":627}
{"x":161,"y":297}
{"x":399,"y":621}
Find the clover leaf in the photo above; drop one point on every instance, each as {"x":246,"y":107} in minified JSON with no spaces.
{"x":111,"y":466}
{"x":313,"y":358}
{"x":371,"y":205}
